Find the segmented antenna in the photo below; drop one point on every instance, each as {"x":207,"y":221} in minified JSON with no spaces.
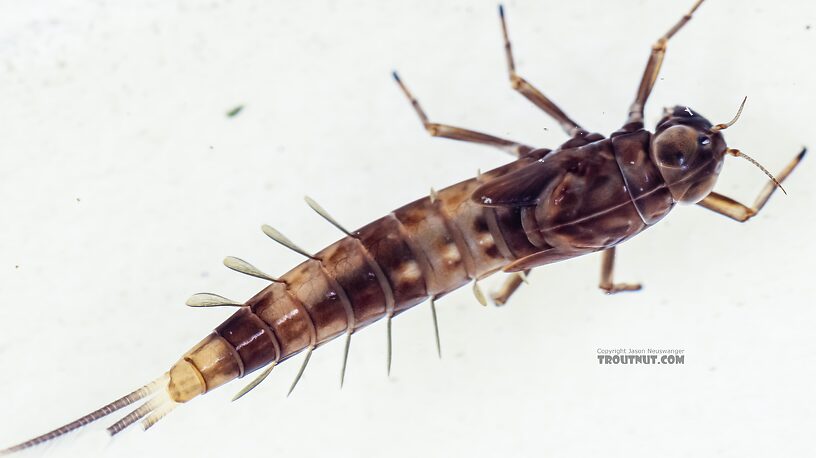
{"x":738,"y":153}
{"x":211,"y":300}
{"x":730,"y":123}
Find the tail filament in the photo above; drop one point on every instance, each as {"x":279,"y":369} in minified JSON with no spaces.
{"x":155,"y":405}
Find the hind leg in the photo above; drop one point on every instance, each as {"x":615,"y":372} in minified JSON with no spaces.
{"x":457,"y":133}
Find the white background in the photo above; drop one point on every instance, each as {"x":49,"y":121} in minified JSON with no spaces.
{"x":123,"y":184}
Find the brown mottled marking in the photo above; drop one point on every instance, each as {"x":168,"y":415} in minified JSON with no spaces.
{"x":432,"y":237}
{"x":287,"y":318}
{"x":468,"y":264}
{"x":387,"y":246}
{"x":420,"y":268}
{"x":309,"y":284}
{"x":252,"y":339}
{"x":589,"y":194}
{"x":456,"y":201}
{"x":346,"y":262}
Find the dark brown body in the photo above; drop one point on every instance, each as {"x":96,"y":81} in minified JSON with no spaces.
{"x":590,"y":194}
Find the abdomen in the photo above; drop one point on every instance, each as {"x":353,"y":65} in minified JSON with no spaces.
{"x":424,"y":249}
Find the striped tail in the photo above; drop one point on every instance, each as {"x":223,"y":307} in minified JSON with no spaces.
{"x":155,"y":407}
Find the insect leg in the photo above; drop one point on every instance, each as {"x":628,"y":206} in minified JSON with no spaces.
{"x":742,"y":213}
{"x":607,"y":270}
{"x":531,"y":93}
{"x":653,"y":67}
{"x":457,"y":133}
{"x":509,"y":287}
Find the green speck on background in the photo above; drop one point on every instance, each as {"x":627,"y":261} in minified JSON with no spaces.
{"x":232,"y":113}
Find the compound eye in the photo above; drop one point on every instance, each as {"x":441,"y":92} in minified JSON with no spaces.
{"x":676,"y":146}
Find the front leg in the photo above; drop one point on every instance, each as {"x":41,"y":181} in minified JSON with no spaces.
{"x":652,"y":70}
{"x":607,"y":270}
{"x":739,"y":212}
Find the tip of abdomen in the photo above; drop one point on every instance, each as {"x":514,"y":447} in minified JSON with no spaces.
{"x":208,"y":365}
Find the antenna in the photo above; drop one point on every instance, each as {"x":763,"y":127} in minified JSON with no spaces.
{"x":738,"y":153}
{"x":730,"y":123}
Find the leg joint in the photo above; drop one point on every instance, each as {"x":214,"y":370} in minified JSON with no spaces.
{"x":660,"y":45}
{"x":516,"y":82}
{"x":432,"y":128}
{"x":749,"y":213}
